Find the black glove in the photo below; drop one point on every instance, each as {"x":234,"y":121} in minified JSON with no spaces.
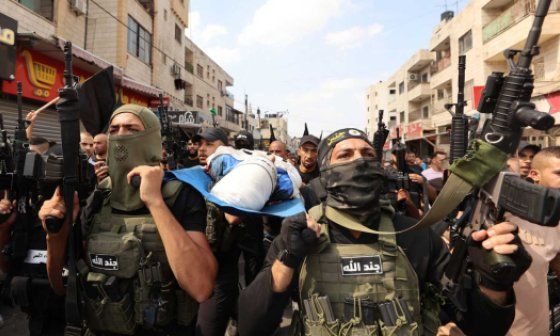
{"x":297,"y":237}
{"x":499,"y":271}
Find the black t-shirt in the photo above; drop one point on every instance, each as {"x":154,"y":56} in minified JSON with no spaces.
{"x":306,"y":177}
{"x":189,"y":209}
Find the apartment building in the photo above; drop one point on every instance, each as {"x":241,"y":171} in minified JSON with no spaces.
{"x":420,"y":89}
{"x":279,"y":124}
{"x":206,"y":89}
{"x":142,"y":39}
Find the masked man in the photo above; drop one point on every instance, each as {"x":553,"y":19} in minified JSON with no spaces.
{"x":352,"y":280}
{"x":146,"y":262}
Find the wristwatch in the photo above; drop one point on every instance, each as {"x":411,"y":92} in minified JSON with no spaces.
{"x":288,"y":259}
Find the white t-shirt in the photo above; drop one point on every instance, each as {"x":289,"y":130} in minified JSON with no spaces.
{"x":431,"y":174}
{"x":531,"y":291}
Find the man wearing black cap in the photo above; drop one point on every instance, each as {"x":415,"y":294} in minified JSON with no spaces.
{"x":307,"y":152}
{"x":210,"y":139}
{"x":525,"y":154}
{"x":244,"y":139}
{"x":355,"y":275}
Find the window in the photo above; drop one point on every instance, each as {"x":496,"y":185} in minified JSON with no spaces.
{"x":199,"y":70}
{"x":425,"y":112}
{"x":207,"y":71}
{"x":199,"y":102}
{"x":465,"y":43}
{"x":139,"y":41}
{"x":368,"y":108}
{"x":401,"y":116}
{"x":178,"y":35}
{"x":45,"y":8}
{"x":401,"y":87}
{"x":392,"y":91}
{"x":424,"y":78}
{"x":165,"y":14}
{"x":367,"y":97}
{"x":220,"y":86}
{"x":220,"y":110}
{"x":207,"y":103}
{"x":440,"y":94}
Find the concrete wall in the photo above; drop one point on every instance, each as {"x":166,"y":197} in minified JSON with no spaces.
{"x":28,"y":21}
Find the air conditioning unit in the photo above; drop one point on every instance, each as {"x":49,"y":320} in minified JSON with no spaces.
{"x":176,"y":70}
{"x":412,"y":77}
{"x":78,"y":6}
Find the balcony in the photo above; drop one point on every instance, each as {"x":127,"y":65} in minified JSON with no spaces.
{"x":420,"y":60}
{"x":441,"y":72}
{"x":512,"y":26}
{"x":414,"y":115}
{"x":418,"y":91}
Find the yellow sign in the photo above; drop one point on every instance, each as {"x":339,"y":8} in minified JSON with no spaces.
{"x":41,"y":75}
{"x":7,"y":36}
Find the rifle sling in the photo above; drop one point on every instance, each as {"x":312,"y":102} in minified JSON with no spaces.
{"x":452,"y":194}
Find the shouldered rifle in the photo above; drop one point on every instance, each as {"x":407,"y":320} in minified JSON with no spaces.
{"x":459,"y":122}
{"x":399,"y":149}
{"x":508,"y":99}
{"x":380,"y":136}
{"x":166,"y":133}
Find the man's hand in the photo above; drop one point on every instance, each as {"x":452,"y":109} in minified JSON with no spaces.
{"x":415,"y":178}
{"x":300,"y":233}
{"x":56,"y":208}
{"x":31,"y":117}
{"x":402,"y":195}
{"x":150,"y":185}
{"x":450,"y":329}
{"x":233,"y":219}
{"x":7,"y":215}
{"x":501,"y":238}
{"x":101,"y":170}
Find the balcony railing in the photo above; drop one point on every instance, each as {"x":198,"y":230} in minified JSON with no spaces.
{"x":441,"y":64}
{"x":414,"y":115}
{"x":511,"y":16}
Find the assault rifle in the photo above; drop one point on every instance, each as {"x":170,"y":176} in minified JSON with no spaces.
{"x":459,"y":122}
{"x":380,"y":136}
{"x":166,"y":134}
{"x":6,"y":159}
{"x":508,"y":99}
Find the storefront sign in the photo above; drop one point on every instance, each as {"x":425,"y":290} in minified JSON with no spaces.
{"x":477,"y":94}
{"x":131,"y":97}
{"x":40,"y":75}
{"x":8,"y":31}
{"x":413,"y":131}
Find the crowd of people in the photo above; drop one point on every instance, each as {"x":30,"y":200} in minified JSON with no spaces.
{"x":159,"y":259}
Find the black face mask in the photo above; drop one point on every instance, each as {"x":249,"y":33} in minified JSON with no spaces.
{"x":354,"y":188}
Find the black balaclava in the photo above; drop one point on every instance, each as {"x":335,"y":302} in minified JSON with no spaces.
{"x":352,"y":187}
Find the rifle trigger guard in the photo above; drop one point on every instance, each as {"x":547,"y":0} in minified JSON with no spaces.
{"x":493,"y":138}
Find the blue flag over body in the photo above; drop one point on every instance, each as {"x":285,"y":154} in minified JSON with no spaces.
{"x":198,"y":179}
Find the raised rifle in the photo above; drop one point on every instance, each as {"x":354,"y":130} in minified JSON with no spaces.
{"x":380,"y":136}
{"x":507,"y":98}
{"x":6,"y":159}
{"x":166,"y":134}
{"x":68,"y":116}
{"x":459,"y":122}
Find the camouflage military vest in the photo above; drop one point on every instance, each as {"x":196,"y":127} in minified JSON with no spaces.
{"x":357,"y":289}
{"x":128,"y":282}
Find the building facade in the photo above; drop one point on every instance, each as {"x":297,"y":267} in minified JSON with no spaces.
{"x":420,"y":89}
{"x":144,"y":41}
{"x":279,"y":124}
{"x":206,"y":89}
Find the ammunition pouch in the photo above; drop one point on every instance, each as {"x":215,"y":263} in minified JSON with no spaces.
{"x":220,"y":234}
{"x":128,"y":281}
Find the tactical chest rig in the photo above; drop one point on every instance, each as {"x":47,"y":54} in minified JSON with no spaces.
{"x":129,"y":282}
{"x":358,"y":289}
